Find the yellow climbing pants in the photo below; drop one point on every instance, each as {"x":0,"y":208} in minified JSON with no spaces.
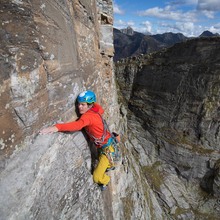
{"x":99,"y":175}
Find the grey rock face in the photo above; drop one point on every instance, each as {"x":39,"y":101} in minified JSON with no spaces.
{"x":174,"y":95}
{"x":47,"y":178}
{"x":49,"y":53}
{"x":182,"y":89}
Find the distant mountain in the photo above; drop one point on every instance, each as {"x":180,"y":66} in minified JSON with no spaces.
{"x":129,"y":43}
{"x":128,"y":31}
{"x":126,"y":45}
{"x":169,"y":38}
{"x":208,"y":34}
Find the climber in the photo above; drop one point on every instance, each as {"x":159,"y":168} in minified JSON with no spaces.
{"x":92,"y":121}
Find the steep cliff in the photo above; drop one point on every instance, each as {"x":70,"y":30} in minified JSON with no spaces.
{"x":173,"y":101}
{"x":50,"y":51}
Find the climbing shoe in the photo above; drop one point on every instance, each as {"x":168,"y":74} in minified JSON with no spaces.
{"x":103,"y":187}
{"x":109,"y":169}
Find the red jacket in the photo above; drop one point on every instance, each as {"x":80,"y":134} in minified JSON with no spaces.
{"x":91,"y":121}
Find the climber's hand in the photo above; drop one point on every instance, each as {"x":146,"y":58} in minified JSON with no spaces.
{"x":49,"y":130}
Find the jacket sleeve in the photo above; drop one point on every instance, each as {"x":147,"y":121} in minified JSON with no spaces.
{"x":75,"y":125}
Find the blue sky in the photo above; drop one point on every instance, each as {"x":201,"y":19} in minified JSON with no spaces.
{"x":190,"y":17}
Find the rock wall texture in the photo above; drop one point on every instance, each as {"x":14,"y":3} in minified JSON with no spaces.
{"x":173,"y":119}
{"x":52,"y":50}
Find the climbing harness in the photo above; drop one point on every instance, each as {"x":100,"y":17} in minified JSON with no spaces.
{"x":111,"y":148}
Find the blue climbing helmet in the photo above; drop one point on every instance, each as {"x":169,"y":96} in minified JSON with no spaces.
{"x":87,"y":96}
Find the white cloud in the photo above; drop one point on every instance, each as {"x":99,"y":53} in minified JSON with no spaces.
{"x":147,"y":26}
{"x":215,"y":29}
{"x":119,"y":24}
{"x":130,"y":23}
{"x":183,"y":27}
{"x":173,"y":18}
{"x":191,"y":2}
{"x":167,"y":13}
{"x":208,"y":14}
{"x":117,"y":9}
{"x":177,"y":3}
{"x":208,"y":5}
{"x":217,"y":25}
{"x":188,"y":29}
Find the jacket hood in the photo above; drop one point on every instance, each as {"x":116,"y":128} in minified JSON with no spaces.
{"x":97,"y":108}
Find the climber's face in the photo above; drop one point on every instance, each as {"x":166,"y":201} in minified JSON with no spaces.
{"x":83,"y":107}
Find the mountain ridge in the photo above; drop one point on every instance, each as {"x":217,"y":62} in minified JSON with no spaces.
{"x":128,"y":42}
